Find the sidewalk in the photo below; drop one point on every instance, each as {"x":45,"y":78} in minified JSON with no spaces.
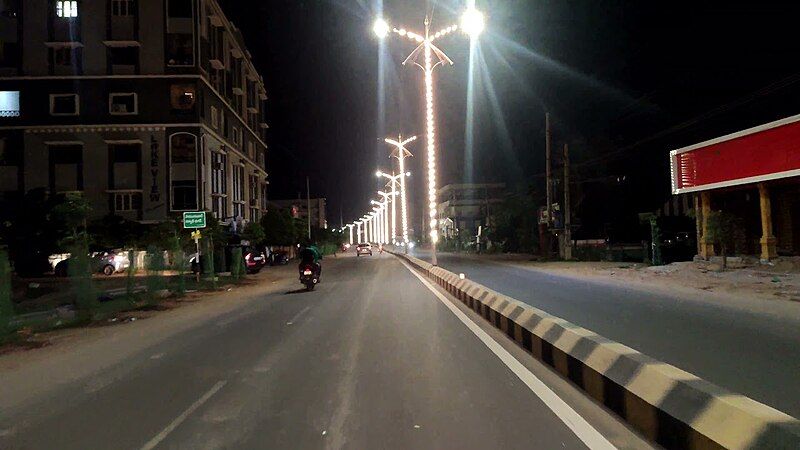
{"x":72,"y":355}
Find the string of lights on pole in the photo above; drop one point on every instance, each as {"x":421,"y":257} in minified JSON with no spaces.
{"x":472,"y":23}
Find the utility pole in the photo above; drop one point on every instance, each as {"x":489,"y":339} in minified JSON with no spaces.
{"x":567,"y":219}
{"x":308,"y":205}
{"x":548,"y":168}
{"x":544,"y":225}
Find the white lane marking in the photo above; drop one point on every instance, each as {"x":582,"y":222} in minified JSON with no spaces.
{"x":582,"y":429}
{"x":157,"y":356}
{"x":152,"y":443}
{"x":297,"y":316}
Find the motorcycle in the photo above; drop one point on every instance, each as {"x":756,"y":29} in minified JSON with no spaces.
{"x":309,"y":276}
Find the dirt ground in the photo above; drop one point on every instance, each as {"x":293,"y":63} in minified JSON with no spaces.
{"x":779,"y":280}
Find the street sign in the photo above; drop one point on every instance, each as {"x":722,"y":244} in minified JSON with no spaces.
{"x":196,"y":235}
{"x":194,"y":219}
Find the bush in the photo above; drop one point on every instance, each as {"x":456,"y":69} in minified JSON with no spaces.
{"x":79,"y":270}
{"x":155,"y":279}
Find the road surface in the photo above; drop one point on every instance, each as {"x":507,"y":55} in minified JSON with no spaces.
{"x":751,"y":352}
{"x":372,"y":359}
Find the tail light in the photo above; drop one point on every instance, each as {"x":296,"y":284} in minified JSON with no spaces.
{"x":307,"y":270}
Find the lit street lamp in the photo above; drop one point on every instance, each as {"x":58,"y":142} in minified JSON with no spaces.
{"x":387,"y":197}
{"x":472,"y":23}
{"x":401,"y":152}
{"x":358,"y":230}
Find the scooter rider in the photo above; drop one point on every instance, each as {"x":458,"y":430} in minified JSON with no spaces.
{"x":310,"y":254}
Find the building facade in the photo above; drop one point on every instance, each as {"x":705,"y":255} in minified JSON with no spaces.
{"x":752,"y":174}
{"x":462,"y":208}
{"x":299,"y":210}
{"x":146,"y":108}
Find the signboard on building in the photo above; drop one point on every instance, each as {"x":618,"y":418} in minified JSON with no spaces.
{"x":194,"y":219}
{"x":762,"y":153}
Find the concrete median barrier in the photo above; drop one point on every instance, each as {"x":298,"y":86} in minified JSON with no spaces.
{"x":666,"y":404}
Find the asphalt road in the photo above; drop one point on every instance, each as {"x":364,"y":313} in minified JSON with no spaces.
{"x":371,"y":359}
{"x":745,"y":351}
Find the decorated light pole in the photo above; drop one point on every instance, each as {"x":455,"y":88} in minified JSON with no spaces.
{"x":472,"y":23}
{"x":401,"y":152}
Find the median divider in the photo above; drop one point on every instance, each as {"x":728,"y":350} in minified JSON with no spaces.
{"x":667,"y":405}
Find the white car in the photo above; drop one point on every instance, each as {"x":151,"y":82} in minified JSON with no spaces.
{"x":364,"y":249}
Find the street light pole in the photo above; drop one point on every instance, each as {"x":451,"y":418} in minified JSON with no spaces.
{"x":401,"y":152}
{"x":472,"y":23}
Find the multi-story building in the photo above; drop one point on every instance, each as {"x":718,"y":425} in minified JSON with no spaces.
{"x":299,"y":209}
{"x":147,"y":108}
{"x":462,"y":208}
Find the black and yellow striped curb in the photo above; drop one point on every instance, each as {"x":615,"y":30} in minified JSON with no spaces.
{"x":668,"y":405}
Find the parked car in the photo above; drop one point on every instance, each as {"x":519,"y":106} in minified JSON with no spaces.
{"x":364,"y":249}
{"x":279,"y":258}
{"x":107,"y":262}
{"x":254,"y":259}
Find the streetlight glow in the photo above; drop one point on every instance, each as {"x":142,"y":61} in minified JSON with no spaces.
{"x":381,"y":28}
{"x":472,"y":23}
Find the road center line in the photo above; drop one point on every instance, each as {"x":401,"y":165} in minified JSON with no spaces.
{"x":582,"y":429}
{"x":297,"y":316}
{"x":152,"y":443}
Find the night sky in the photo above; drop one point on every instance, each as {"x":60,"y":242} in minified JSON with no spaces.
{"x":624,"y":81}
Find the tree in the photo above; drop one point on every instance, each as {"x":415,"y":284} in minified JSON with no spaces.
{"x":725,"y":230}
{"x":254,"y":233}
{"x":513,"y":223}
{"x":278,"y":227}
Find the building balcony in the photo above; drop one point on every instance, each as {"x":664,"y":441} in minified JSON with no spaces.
{"x":216,"y":63}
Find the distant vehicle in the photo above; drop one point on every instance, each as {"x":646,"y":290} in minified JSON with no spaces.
{"x":105,"y":262}
{"x":279,"y":258}
{"x":364,"y":249}
{"x":345,"y":247}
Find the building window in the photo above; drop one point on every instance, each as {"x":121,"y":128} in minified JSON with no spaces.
{"x":180,"y":9}
{"x":66,"y":167}
{"x":214,"y":118}
{"x":123,"y":104}
{"x":184,"y":195}
{"x":67,"y":9}
{"x":180,"y":49}
{"x":9,"y":104}
{"x":251,"y":149}
{"x":64,"y":105}
{"x":183,"y":97}
{"x":238,"y":191}
{"x":123,"y":56}
{"x":263,"y":197}
{"x":63,"y":56}
{"x":127,"y":201}
{"x":219,"y":185}
{"x":125,"y":166}
{"x":183,"y":148}
{"x":122,"y":8}
{"x":237,"y":136}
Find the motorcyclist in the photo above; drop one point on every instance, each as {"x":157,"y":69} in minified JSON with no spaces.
{"x":310,"y":254}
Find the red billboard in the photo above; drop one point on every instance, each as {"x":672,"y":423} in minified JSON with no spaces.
{"x":765,"y":152}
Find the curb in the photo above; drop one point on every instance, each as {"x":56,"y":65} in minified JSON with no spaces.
{"x":669,"y":406}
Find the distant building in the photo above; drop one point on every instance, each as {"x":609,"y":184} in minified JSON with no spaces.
{"x":753,"y":174}
{"x":146,"y":108}
{"x":463,"y":208}
{"x":299,"y":210}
